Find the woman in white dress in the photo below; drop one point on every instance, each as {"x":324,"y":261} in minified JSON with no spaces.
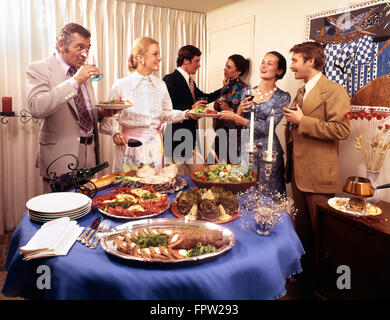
{"x":151,"y":107}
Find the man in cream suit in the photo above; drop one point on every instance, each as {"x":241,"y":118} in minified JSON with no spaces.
{"x":312,"y":136}
{"x":60,"y":93}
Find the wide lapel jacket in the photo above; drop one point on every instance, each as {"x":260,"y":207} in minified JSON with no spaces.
{"x":59,"y":77}
{"x":51,"y":98}
{"x":315,"y":141}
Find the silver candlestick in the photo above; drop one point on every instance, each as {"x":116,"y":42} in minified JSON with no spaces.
{"x":268,"y":163}
{"x":251,"y":159}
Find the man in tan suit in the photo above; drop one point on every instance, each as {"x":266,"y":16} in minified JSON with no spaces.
{"x":60,"y":93}
{"x":312,"y":137}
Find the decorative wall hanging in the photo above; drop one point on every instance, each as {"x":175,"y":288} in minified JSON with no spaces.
{"x":357,"y":43}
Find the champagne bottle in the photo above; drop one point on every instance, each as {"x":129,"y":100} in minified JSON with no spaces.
{"x":86,"y":174}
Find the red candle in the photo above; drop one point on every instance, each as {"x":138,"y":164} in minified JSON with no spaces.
{"x":7,"y":104}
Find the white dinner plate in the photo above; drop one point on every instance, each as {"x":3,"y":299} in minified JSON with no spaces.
{"x":47,"y":217}
{"x":60,"y":215}
{"x":58,"y":202}
{"x":114,"y":106}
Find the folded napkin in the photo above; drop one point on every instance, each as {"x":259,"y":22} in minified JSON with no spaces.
{"x":54,"y":238}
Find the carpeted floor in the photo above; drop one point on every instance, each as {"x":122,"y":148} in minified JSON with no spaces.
{"x":4,"y":245}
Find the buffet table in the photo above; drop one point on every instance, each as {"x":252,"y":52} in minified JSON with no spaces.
{"x":255,"y":268}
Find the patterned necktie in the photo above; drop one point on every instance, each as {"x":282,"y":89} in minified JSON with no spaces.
{"x":85,"y":118}
{"x":299,"y":101}
{"x":300,"y":94}
{"x":192,"y":88}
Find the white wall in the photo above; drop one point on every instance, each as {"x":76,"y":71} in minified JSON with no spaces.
{"x":280,"y":24}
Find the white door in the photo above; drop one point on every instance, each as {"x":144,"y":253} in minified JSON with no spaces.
{"x":235,"y":38}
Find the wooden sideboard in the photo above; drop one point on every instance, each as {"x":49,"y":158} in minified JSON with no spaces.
{"x":358,"y":243}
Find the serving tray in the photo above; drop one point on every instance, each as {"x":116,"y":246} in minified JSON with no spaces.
{"x":107,"y":238}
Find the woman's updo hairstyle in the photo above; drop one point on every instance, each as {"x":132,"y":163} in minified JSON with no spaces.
{"x":240,"y":62}
{"x":282,"y":63}
{"x":140,"y":47}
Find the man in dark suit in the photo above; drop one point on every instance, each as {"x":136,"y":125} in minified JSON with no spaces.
{"x":184,"y":94}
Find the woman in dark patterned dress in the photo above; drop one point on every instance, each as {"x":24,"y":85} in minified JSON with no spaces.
{"x":236,"y":67}
{"x":267,"y":96}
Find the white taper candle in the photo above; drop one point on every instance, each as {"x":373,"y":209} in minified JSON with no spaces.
{"x":270,"y":136}
{"x":251,"y":131}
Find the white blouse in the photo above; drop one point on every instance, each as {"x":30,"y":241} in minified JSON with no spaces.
{"x":152,"y":105}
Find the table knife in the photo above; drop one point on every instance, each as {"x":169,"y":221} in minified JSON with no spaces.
{"x":95,"y":222}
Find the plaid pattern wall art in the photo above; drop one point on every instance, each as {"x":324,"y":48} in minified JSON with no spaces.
{"x":352,"y":64}
{"x":356,"y":41}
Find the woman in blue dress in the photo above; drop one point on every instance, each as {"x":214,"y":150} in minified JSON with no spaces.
{"x":266,"y":97}
{"x":231,"y":93}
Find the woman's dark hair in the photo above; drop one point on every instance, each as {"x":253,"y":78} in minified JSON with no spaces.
{"x":240,"y":62}
{"x":282,"y":64}
{"x":187,"y":52}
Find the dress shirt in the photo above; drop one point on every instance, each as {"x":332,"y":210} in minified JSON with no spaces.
{"x":152,"y":105}
{"x":185,"y":75}
{"x":75,"y":85}
{"x":311,"y":84}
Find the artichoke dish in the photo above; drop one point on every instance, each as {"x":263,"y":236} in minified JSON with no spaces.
{"x":214,"y":204}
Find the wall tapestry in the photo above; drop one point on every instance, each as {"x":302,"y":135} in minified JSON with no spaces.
{"x":357,"y":43}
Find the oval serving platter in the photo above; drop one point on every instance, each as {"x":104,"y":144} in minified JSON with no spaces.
{"x":139,"y":217}
{"x":107,"y":238}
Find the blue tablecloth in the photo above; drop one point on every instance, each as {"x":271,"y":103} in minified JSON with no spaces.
{"x":255,"y":268}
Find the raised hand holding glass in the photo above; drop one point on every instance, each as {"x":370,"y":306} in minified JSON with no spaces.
{"x":92,"y":61}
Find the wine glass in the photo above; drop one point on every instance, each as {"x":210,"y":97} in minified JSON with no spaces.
{"x":222,"y":98}
{"x":249,"y":92}
{"x":92,"y":61}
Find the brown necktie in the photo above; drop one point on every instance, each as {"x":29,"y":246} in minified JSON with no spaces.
{"x":192,"y":88}
{"x":299,"y":101}
{"x":85,"y":118}
{"x":300,"y":94}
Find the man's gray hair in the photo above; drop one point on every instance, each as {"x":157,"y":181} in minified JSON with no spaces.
{"x":65,"y":34}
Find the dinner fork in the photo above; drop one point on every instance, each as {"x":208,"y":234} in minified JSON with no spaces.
{"x":106,"y":227}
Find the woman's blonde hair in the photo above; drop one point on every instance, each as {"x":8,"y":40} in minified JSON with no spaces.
{"x":140,"y":47}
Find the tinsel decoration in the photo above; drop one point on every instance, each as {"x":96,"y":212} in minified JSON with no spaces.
{"x":262,"y":209}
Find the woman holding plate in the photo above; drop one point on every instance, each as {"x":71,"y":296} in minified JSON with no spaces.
{"x":151,"y":107}
{"x":267,"y":98}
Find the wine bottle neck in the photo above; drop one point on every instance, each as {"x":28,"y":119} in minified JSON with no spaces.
{"x":87,"y":173}
{"x":98,"y":168}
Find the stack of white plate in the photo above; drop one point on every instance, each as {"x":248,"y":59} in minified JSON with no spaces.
{"x":50,"y":206}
